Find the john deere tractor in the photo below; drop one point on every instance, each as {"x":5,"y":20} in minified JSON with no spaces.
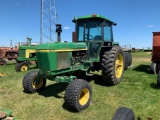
{"x":27,"y":56}
{"x":91,"y":49}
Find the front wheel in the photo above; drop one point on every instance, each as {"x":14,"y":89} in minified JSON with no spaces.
{"x":124,"y":113}
{"x":23,"y":66}
{"x":32,"y":82}
{"x":113,"y":65}
{"x":78,"y":94}
{"x":3,"y":62}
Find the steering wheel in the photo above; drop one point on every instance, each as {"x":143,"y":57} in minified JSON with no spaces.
{"x":88,"y":37}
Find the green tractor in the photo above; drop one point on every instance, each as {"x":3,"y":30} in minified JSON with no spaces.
{"x":27,"y":56}
{"x":91,"y":49}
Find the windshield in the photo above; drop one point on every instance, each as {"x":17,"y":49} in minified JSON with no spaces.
{"x":94,"y":30}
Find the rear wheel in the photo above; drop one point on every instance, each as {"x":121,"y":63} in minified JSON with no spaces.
{"x":154,"y":68}
{"x":158,"y":79}
{"x":126,"y":64}
{"x":32,"y":82}
{"x":124,"y":113}
{"x":23,"y":66}
{"x":113,"y":65}
{"x":78,"y":94}
{"x":129,"y":58}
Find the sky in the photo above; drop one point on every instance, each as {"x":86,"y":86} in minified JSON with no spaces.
{"x":136,"y":19}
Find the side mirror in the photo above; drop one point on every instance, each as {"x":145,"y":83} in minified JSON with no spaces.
{"x":114,"y":24}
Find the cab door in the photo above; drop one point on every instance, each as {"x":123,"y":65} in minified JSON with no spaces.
{"x":94,"y":48}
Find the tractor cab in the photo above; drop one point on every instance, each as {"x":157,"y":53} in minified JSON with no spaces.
{"x":96,"y":31}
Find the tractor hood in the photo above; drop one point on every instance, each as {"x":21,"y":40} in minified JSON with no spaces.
{"x":57,"y":56}
{"x":59,"y":46}
{"x":27,"y":47}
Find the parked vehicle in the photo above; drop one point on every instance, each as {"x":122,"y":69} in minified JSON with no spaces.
{"x":8,"y":55}
{"x":155,"y":65}
{"x":91,"y":49}
{"x":27,"y":56}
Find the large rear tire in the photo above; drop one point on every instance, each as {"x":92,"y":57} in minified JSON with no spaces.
{"x":126,"y":63}
{"x":32,"y":82}
{"x":78,"y":94}
{"x":113,"y":65}
{"x":129,"y":58}
{"x":124,"y":113}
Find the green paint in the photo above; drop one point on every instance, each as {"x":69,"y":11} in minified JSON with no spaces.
{"x":61,"y":46}
{"x":52,"y":74}
{"x":22,"y":53}
{"x":47,"y":60}
{"x":27,"y":47}
{"x":51,"y":62}
{"x":25,"y":59}
{"x":64,"y":78}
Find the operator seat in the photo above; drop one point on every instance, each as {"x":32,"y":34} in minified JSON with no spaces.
{"x":95,"y":45}
{"x":98,"y":37}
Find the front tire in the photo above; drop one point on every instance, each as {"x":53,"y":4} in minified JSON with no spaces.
{"x":113,"y":65}
{"x":23,"y":66}
{"x":124,"y":113}
{"x":3,"y":62}
{"x":78,"y":94}
{"x":31,"y":83}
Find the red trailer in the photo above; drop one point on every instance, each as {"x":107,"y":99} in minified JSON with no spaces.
{"x":155,"y":65}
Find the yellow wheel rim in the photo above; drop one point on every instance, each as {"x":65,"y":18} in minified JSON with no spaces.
{"x":84,"y":96}
{"x":24,"y":68}
{"x":36,"y":84}
{"x":119,"y":66}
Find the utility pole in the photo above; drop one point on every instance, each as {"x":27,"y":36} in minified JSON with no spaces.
{"x":11,"y":46}
{"x":48,"y":21}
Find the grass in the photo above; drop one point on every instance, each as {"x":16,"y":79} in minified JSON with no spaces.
{"x":137,"y":91}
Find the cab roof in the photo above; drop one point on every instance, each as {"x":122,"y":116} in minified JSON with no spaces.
{"x":92,"y":16}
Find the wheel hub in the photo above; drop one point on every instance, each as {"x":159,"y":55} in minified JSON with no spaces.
{"x":24,"y":68}
{"x":119,"y":66}
{"x":84,"y":96}
{"x":37,"y":83}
